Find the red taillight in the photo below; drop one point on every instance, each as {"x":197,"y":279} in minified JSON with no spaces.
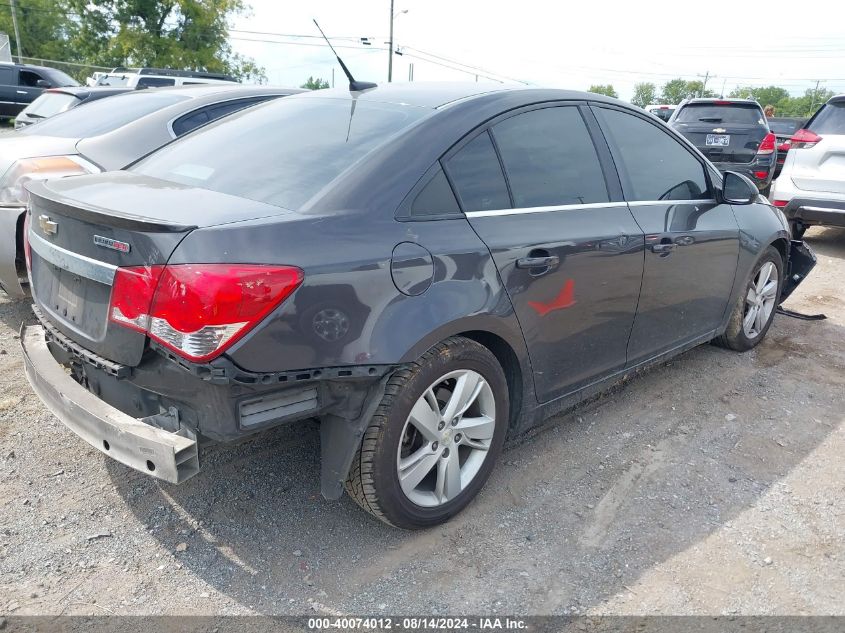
{"x":784,"y":147}
{"x":27,"y":249}
{"x":761,"y":175}
{"x":804,"y":139}
{"x":780,"y":203}
{"x":767,"y":146}
{"x":132,"y":294}
{"x":199,"y":310}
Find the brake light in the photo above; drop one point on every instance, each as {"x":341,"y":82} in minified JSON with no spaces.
{"x":780,"y":203}
{"x":199,"y":310}
{"x":761,"y":175}
{"x":784,"y":147}
{"x":27,"y":249}
{"x":767,"y":146}
{"x":804,"y":139}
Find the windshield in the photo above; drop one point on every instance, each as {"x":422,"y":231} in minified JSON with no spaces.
{"x":50,"y":104}
{"x":104,"y":115}
{"x":713,"y":113}
{"x":62,"y":79}
{"x":283,"y":152}
{"x":830,"y":119}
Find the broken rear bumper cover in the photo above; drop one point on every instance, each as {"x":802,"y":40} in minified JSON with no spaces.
{"x":166,"y":455}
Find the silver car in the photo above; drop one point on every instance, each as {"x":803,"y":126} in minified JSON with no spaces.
{"x":105,"y":135}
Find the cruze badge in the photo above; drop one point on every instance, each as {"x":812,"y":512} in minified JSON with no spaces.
{"x":115,"y":245}
{"x":47,"y":225}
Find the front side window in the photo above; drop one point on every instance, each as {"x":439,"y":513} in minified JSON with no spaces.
{"x":550,"y":159}
{"x":477,"y":176}
{"x":29,"y":78}
{"x":654,"y":165}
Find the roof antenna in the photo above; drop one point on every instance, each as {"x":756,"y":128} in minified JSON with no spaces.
{"x":354,"y":86}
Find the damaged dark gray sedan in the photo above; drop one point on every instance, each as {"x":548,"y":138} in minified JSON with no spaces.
{"x":425,"y":269}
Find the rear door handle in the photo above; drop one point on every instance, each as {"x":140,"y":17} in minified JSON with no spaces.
{"x":543,"y":261}
{"x":22,"y":92}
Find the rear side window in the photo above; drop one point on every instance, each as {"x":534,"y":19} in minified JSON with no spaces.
{"x":155,"y":82}
{"x":477,"y":175}
{"x":830,"y":119}
{"x":737,"y":113}
{"x":436,"y":198}
{"x":193,"y":120}
{"x":190,"y":121}
{"x":550,"y":158}
{"x":654,"y":165}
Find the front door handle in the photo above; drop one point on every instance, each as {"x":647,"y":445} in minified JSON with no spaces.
{"x":22,"y":92}
{"x":663,"y":248}
{"x":545,"y":261}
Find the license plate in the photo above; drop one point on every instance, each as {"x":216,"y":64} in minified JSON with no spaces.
{"x":718,"y":140}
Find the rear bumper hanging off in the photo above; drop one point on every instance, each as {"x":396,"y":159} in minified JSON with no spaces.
{"x":173,"y":457}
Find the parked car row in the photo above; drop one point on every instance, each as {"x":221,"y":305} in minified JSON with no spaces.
{"x":105,"y":135}
{"x":427,"y":269}
{"x":21,"y":84}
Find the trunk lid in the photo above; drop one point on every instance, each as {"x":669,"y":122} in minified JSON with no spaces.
{"x":724,"y":132}
{"x":83,"y":228}
{"x":820,"y":168}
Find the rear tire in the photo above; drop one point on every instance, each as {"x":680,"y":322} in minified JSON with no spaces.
{"x":754,"y":310}
{"x":410,"y":434}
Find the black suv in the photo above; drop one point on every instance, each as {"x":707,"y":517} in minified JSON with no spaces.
{"x":733,"y":133}
{"x":21,"y":84}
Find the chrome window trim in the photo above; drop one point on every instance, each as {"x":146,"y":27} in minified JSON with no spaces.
{"x":575,"y":207}
{"x":72,"y":262}
{"x":644,"y":203}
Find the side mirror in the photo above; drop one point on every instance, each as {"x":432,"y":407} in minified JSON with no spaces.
{"x":42,"y":83}
{"x":738,"y":189}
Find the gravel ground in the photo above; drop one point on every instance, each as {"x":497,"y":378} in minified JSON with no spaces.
{"x":710,"y":485}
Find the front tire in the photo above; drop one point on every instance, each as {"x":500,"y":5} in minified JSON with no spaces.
{"x":754,"y":310}
{"x":434,"y":438}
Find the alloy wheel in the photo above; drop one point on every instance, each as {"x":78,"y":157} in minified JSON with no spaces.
{"x":446,"y":438}
{"x":760,"y":300}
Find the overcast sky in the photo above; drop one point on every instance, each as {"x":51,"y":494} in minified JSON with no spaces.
{"x":556,"y":43}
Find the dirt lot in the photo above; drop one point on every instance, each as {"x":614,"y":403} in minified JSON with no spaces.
{"x":713,"y":484}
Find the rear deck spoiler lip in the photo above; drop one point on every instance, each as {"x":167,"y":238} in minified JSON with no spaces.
{"x":51,"y":200}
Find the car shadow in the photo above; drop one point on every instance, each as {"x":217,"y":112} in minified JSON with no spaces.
{"x":573,"y":514}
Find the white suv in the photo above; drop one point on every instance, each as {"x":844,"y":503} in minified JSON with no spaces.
{"x":811,"y":186}
{"x":159,"y":77}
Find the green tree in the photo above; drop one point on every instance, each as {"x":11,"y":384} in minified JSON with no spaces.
{"x":606,"y":90}
{"x":315,"y":84}
{"x":45,"y":28}
{"x":767,"y":95}
{"x":185,"y":34}
{"x":676,"y":90}
{"x":644,"y":94}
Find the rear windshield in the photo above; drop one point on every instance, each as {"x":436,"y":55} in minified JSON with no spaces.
{"x":784,"y":127}
{"x":281,"y":153}
{"x":712,"y":113}
{"x":49,"y":104}
{"x":830,"y":119}
{"x":104,"y":115}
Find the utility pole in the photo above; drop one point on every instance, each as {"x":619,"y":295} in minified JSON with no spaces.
{"x":722,"y":93}
{"x":390,"y":51}
{"x":706,"y":76}
{"x":411,"y":71}
{"x":332,"y":76}
{"x":17,"y":33}
{"x":815,"y":95}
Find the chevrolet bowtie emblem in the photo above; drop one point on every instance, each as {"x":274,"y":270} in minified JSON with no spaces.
{"x":720,"y":130}
{"x":47,"y":225}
